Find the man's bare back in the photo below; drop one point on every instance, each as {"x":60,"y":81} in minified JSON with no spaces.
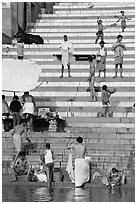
{"x":79,"y":149}
{"x":19,"y":129}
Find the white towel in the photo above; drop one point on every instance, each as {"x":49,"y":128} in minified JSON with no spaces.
{"x":69,"y":168}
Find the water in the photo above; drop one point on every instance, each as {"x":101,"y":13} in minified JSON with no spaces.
{"x":18,"y":193}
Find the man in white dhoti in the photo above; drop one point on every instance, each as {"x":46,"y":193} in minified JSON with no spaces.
{"x":66,"y":51}
{"x":82,"y":170}
{"x":28,"y":108}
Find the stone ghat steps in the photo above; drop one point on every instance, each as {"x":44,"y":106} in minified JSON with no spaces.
{"x":52,"y":87}
{"x":85,"y":70}
{"x":109,"y":34}
{"x":74,"y":29}
{"x":82,"y":21}
{"x":100,"y":12}
{"x":60,"y":101}
{"x":71,"y":5}
{"x":78,"y":50}
{"x":56,"y":73}
{"x":82,"y":44}
{"x":55,"y":42}
{"x":87,"y":15}
{"x":104,"y":149}
{"x":78,"y":25}
{"x":51,"y":59}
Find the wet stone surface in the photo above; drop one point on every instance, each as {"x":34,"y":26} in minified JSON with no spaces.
{"x":20,"y":192}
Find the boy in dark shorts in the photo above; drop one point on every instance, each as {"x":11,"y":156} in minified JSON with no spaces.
{"x":100,"y":33}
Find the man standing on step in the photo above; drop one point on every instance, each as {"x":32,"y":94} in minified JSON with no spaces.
{"x":66,"y":51}
{"x":28,"y":108}
{"x":118,"y":48}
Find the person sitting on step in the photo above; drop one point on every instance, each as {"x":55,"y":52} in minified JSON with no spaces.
{"x":21,"y":167}
{"x":115,"y":176}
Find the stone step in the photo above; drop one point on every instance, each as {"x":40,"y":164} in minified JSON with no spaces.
{"x":41,"y":55}
{"x":77,"y":21}
{"x":67,"y":136}
{"x":85,"y":15}
{"x":88,"y":34}
{"x":91,"y":30}
{"x":48,"y":57}
{"x":97,"y":5}
{"x":131,"y":46}
{"x":91,"y":12}
{"x":79,"y":79}
{"x":56,"y":73}
{"x":77,"y":94}
{"x":82,"y":86}
{"x":87,"y":24}
{"x":99,"y":120}
{"x":85,"y":70}
{"x":103,"y":125}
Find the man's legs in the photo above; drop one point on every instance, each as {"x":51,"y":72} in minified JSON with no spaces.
{"x":62,"y":70}
{"x":116,"y":70}
{"x":14,"y":119}
{"x":98,"y":36}
{"x":18,"y":118}
{"x":121,"y":70}
{"x":69,"y":70}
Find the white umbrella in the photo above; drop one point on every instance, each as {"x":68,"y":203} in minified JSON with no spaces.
{"x":19,"y":75}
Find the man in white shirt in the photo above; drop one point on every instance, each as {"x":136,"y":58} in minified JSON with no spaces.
{"x":66,"y":51}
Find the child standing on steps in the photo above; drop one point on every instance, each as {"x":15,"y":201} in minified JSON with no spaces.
{"x":91,"y":77}
{"x":99,"y":33}
{"x":101,"y":59}
{"x":48,"y":158}
{"x":106,"y":102}
{"x":123,"y":19}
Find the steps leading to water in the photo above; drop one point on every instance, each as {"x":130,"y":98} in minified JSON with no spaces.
{"x":108,"y":140}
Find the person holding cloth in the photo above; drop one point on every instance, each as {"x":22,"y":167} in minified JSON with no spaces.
{"x":82,"y":171}
{"x":118,"y":49}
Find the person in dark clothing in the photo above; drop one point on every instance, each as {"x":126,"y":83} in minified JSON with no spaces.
{"x":15,"y":107}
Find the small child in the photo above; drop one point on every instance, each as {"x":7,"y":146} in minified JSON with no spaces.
{"x":101,"y":59}
{"x":105,"y":101}
{"x":123,"y":19}
{"x":91,"y":77}
{"x":20,"y":50}
{"x":48,"y":156}
{"x":100,"y":33}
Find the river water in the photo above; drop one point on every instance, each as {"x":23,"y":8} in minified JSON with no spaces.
{"x":21,"y":193}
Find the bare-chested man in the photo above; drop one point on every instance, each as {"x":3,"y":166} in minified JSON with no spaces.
{"x":81,"y":164}
{"x":17,"y":132}
{"x":79,"y":148}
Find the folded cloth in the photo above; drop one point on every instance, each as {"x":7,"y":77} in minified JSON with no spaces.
{"x":69,"y":168}
{"x":28,"y":108}
{"x":82,"y":171}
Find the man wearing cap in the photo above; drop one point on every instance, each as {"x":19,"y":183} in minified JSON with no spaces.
{"x":118,"y":49}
